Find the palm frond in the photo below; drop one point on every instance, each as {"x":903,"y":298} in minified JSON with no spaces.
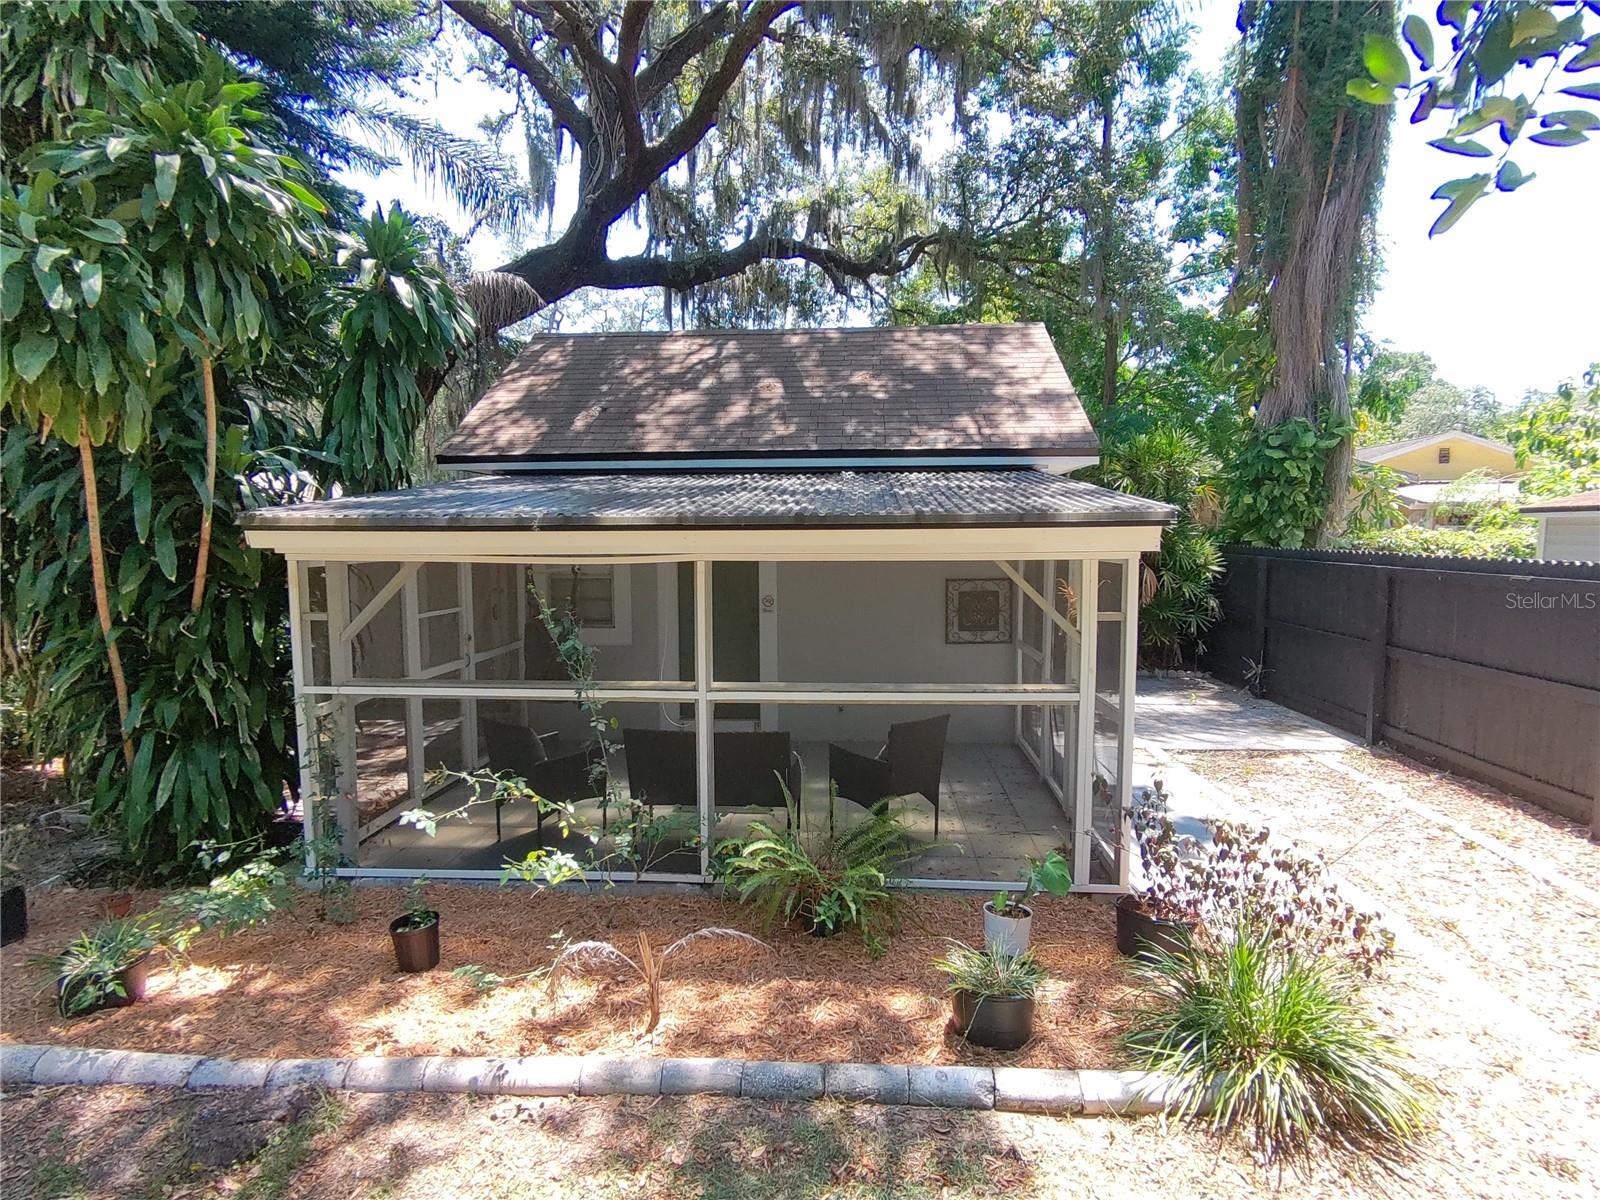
{"x":480,"y":178}
{"x":709,"y":933}
{"x":581,"y":956}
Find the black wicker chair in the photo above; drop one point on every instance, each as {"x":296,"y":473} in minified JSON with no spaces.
{"x":748,"y":768}
{"x":562,"y":778}
{"x":910,"y":763}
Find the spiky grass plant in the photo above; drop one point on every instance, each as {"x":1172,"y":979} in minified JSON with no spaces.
{"x":990,"y":974}
{"x":1274,"y":1043}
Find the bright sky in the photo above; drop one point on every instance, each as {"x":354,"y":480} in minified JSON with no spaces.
{"x":1506,"y":299}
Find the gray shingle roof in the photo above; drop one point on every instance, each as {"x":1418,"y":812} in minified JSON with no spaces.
{"x":1577,"y":502}
{"x":728,"y":500}
{"x":945,"y":389}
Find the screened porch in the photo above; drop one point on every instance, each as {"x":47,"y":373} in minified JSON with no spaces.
{"x":985,"y":697}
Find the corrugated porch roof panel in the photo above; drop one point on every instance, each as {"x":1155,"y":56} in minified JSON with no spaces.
{"x":728,"y":500}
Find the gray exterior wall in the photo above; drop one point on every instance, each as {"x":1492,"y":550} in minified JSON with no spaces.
{"x":1570,"y":537}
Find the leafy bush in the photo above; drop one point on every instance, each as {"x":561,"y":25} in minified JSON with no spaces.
{"x":1178,"y":602}
{"x":829,"y":882}
{"x":1275,"y":1043}
{"x":1241,"y":874}
{"x":416,"y":914}
{"x":991,"y":974}
{"x":1516,"y":541}
{"x":1277,"y":494}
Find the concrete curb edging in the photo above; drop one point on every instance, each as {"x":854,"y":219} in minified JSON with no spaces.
{"x":1006,"y":1089}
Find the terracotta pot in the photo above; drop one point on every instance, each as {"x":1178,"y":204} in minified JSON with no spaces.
{"x":416,"y":949}
{"x":997,"y":1022}
{"x":13,"y":914}
{"x":134,"y":978}
{"x":1137,"y":930}
{"x":1006,"y":934}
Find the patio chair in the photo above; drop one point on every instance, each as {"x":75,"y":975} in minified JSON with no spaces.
{"x":910,"y":763}
{"x":562,"y":778}
{"x":748,"y":767}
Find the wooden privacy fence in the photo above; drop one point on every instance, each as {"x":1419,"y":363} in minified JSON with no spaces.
{"x":1488,"y":668}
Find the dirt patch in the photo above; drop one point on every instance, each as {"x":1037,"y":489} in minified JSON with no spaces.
{"x":44,"y":836}
{"x":302,"y":987}
{"x":420,"y":1147}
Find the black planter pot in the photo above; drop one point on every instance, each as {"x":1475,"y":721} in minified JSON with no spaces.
{"x":999,"y":1023}
{"x":415,"y":949}
{"x":1137,"y":930}
{"x":134,"y":977}
{"x":13,"y":914}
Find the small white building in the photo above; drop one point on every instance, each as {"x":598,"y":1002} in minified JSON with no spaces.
{"x":805,"y":561}
{"x":1569,"y":526}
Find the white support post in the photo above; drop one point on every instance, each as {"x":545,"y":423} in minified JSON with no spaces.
{"x":341,"y":665}
{"x":1130,"y":680}
{"x":303,"y":728}
{"x":469,"y":650}
{"x":705,"y":743}
{"x":411,"y":625}
{"x":1083,"y":789}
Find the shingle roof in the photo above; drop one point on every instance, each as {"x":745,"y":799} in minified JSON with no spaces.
{"x":945,"y":389}
{"x":635,"y":499}
{"x":1577,"y":502}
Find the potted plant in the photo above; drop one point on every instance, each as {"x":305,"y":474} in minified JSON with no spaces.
{"x":1007,"y":922}
{"x":416,"y":931}
{"x":992,"y":994}
{"x":1164,"y":911}
{"x":107,"y":967}
{"x":13,"y":912}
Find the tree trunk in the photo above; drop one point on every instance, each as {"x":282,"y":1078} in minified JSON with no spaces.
{"x":102,"y":597}
{"x":203,"y":555}
{"x":1111,"y":350}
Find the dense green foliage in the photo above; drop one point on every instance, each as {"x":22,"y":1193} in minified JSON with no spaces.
{"x":399,"y":320}
{"x":1275,"y":1044}
{"x":166,"y":279}
{"x":1179,"y":605}
{"x":1277,"y":486}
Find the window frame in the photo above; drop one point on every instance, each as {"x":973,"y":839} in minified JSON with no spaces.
{"x":620,"y":631}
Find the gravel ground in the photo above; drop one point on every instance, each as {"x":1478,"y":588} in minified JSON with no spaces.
{"x":1496,"y":993}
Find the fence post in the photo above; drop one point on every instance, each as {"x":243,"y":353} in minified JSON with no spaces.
{"x":1378,"y":690}
{"x":1258,"y":678}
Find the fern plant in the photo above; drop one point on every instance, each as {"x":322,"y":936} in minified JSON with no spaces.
{"x":828,"y":882}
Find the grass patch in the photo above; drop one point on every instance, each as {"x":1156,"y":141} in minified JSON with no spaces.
{"x":274,"y":1169}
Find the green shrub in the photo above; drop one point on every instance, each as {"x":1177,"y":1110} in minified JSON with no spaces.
{"x":829,"y":882}
{"x":1518,"y":541}
{"x":1274,"y":1043}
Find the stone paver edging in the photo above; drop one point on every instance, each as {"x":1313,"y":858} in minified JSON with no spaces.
{"x":1008,"y":1089}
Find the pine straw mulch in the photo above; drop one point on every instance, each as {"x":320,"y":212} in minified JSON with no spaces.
{"x":299,"y":986}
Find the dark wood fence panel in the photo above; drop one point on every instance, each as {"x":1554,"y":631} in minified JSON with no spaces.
{"x":1491,"y":669}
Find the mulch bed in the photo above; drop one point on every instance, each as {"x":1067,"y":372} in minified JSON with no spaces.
{"x":303,"y":987}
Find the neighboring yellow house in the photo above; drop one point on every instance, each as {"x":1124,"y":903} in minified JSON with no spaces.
{"x":1429,"y":464}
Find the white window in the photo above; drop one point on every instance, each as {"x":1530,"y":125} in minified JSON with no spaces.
{"x":598,"y":597}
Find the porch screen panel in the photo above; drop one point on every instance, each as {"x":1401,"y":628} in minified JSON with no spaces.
{"x":1106,"y":782}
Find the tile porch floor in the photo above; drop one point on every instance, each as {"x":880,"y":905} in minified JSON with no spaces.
{"x":994,"y":813}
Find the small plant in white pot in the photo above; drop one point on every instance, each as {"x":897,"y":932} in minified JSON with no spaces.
{"x":1008,"y":921}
